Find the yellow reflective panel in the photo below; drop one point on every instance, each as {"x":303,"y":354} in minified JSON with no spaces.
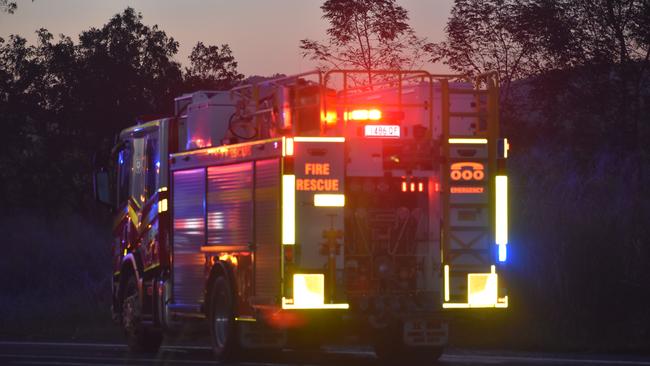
{"x":447,"y":283}
{"x":288,"y":146}
{"x":318,"y":139}
{"x":467,"y":141}
{"x":329,"y":200}
{"x":308,"y":289}
{"x":501,"y":213}
{"x":162,"y":205}
{"x":309,"y":293}
{"x":482,"y":292}
{"x":455,"y":306}
{"x":289,"y":209}
{"x":245,"y":319}
{"x":482,"y":289}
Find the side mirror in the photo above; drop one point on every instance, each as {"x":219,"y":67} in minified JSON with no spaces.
{"x":102,"y":188}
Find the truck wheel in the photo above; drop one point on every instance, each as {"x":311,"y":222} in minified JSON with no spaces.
{"x":140,"y":339}
{"x":222,"y":320}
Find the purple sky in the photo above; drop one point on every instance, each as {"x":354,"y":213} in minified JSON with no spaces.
{"x":263,"y":34}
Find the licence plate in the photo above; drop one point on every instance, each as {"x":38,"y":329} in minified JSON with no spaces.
{"x":382,"y":131}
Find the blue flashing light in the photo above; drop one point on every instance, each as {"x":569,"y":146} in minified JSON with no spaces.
{"x":503,"y":252}
{"x":157,"y":164}
{"x":121,"y":157}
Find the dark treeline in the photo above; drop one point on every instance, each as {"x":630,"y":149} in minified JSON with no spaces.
{"x":62,"y":101}
{"x":575,"y":105}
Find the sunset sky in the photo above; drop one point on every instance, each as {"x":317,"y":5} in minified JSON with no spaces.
{"x":264,"y":35}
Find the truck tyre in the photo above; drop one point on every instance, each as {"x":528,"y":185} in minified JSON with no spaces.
{"x":221,"y":316}
{"x":140,"y":339}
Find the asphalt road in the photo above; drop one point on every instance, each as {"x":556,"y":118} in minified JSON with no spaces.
{"x":75,"y":354}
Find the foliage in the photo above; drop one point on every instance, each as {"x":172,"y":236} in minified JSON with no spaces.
{"x":488,"y":36}
{"x":8,"y":6}
{"x":593,"y":52}
{"x":212,"y":67}
{"x":366,"y":35}
{"x":63,"y":101}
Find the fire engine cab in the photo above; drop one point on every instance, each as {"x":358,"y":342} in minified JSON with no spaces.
{"x":312,"y":207}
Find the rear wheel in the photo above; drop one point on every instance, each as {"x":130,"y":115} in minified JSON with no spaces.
{"x":140,"y":339}
{"x":222,"y":320}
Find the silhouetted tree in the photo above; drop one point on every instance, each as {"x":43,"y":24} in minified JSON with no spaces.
{"x":586,"y":60}
{"x":490,"y":35}
{"x":366,"y":35}
{"x":211,"y":67}
{"x":61,"y":102}
{"x":8,"y":6}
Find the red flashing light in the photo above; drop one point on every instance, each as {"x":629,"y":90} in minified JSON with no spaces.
{"x":364,"y":115}
{"x":403,"y":186}
{"x":420,"y":187}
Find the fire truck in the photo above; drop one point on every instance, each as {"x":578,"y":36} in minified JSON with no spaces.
{"x":326,"y":205}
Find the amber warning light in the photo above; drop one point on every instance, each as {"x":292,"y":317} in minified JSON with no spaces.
{"x":393,"y":131}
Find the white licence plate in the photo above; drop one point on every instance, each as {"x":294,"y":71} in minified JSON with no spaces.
{"x":382,"y":131}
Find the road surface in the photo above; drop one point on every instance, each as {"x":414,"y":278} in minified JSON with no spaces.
{"x":108,"y":354}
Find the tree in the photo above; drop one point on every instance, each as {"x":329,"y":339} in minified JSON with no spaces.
{"x":366,"y":35}
{"x":63,"y":101}
{"x":490,"y":35}
{"x":211,"y":67}
{"x":8,"y":6}
{"x":585,"y":61}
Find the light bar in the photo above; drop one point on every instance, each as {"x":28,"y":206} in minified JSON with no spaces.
{"x":501,"y":215}
{"x":318,"y":139}
{"x":309,"y":293}
{"x":447,"y":297}
{"x":289,"y":209}
{"x":329,"y":200}
{"x":364,"y":115}
{"x":467,"y":141}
